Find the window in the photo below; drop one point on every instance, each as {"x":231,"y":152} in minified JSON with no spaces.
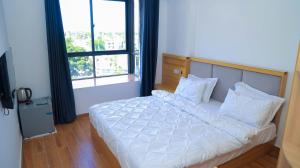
{"x":102,"y":37}
{"x":137,"y":37}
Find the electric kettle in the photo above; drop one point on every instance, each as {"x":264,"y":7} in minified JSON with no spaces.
{"x":24,"y":95}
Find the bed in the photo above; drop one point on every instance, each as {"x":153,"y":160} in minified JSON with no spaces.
{"x":164,"y":130}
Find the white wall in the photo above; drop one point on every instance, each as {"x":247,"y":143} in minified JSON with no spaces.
{"x":10,"y":140}
{"x":27,"y":37}
{"x":257,"y":33}
{"x":10,"y":137}
{"x":3,"y":36}
{"x":162,"y":37}
{"x":86,"y":97}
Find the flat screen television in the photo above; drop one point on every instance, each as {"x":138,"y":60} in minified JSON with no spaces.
{"x":7,"y":80}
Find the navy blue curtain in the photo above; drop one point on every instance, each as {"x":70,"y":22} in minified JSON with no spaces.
{"x":61,"y":85}
{"x":149,"y":18}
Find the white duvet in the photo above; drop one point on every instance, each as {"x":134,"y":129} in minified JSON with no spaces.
{"x":166,"y":131}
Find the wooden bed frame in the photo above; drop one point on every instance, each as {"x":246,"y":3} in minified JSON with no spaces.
{"x":174,"y":67}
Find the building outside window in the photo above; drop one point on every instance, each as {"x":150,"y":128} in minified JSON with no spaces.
{"x":102,"y":37}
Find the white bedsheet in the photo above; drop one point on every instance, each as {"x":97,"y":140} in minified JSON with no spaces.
{"x":166,"y":131}
{"x":264,"y":135}
{"x":213,"y":106}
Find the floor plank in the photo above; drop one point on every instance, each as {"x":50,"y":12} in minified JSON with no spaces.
{"x":72,"y":147}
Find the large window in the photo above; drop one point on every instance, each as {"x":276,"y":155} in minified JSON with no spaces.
{"x":102,"y":37}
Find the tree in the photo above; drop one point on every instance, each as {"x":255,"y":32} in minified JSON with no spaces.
{"x":99,"y":44}
{"x":71,"y":47}
{"x":79,"y":66}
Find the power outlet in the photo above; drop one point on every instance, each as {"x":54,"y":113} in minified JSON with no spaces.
{"x":177,"y":71}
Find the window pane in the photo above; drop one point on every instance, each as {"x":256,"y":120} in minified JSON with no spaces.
{"x":137,"y":37}
{"x":81,"y":67}
{"x":110,"y":25}
{"x":136,"y":25}
{"x":137,"y":64}
{"x":107,"y":65}
{"x":77,"y":25}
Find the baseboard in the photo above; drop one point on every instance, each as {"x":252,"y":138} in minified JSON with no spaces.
{"x":83,"y":115}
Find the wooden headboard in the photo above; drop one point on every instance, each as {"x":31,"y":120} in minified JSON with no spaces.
{"x":270,"y":81}
{"x":173,"y":68}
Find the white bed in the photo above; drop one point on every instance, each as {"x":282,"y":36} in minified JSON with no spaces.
{"x":166,"y":130}
{"x":263,"y":136}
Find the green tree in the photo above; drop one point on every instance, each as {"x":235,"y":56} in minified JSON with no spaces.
{"x":71,"y":47}
{"x":79,"y":66}
{"x":99,"y":44}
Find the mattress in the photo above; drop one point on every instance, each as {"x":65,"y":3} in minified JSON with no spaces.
{"x":212,"y":106}
{"x":165,"y":130}
{"x":264,"y":135}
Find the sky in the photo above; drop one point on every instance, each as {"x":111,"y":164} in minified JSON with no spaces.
{"x":109,"y":16}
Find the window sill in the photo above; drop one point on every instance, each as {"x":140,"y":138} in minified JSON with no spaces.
{"x":86,"y":83}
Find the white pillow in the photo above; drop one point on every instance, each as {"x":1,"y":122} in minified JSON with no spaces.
{"x":189,"y":89}
{"x":210,"y":85}
{"x":243,"y":88}
{"x":181,"y":85}
{"x":249,"y":110}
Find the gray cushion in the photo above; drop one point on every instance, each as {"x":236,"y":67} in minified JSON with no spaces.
{"x":266,"y":83}
{"x":201,"y":70}
{"x":227,"y":77}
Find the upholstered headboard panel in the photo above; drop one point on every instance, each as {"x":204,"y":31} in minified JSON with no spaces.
{"x":266,"y":83}
{"x":202,"y":70}
{"x":227,"y":77}
{"x":229,"y":74}
{"x":269,"y":81}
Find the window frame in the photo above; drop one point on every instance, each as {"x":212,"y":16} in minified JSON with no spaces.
{"x":129,"y":33}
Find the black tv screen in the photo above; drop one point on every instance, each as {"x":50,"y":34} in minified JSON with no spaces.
{"x":7,"y":80}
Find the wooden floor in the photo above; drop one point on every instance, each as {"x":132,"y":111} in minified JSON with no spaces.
{"x":71,"y":147}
